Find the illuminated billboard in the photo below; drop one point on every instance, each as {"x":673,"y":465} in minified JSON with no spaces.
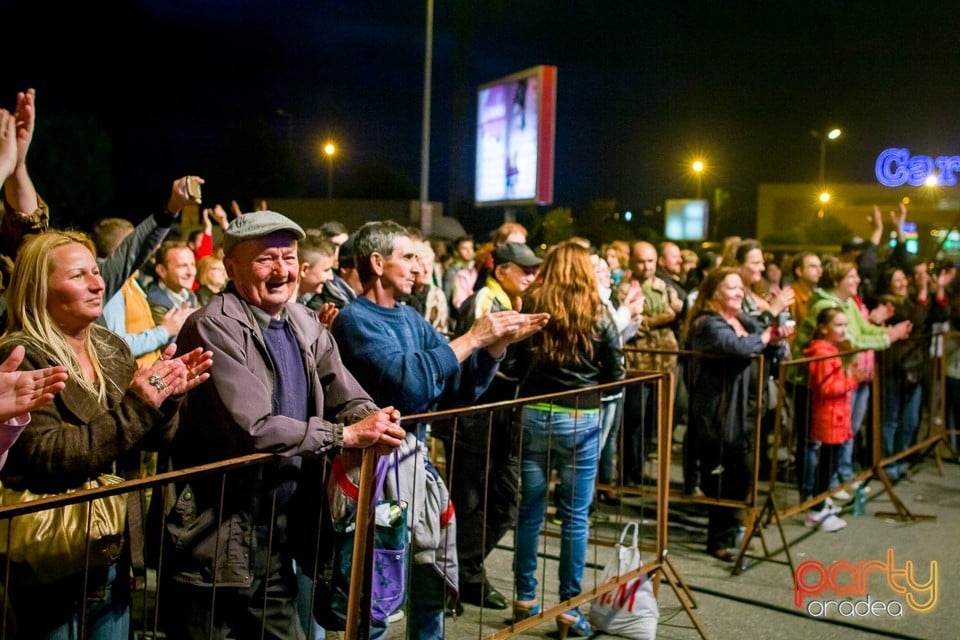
{"x":515,"y":135}
{"x":686,"y":219}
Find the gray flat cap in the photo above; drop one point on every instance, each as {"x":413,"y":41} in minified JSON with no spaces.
{"x":256,"y":225}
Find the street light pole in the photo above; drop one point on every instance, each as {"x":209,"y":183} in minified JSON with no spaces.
{"x":329,"y":149}
{"x":698,"y":169}
{"x":832,"y":134}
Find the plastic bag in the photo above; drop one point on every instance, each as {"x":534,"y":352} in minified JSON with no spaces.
{"x":630,"y":610}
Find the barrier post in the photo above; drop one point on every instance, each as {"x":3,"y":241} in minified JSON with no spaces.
{"x":358,"y":603}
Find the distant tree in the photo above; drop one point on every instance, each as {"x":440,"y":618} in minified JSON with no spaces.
{"x":792,"y":236}
{"x":827,"y":230}
{"x":602,"y":223}
{"x":377,"y":180}
{"x":823,"y":231}
{"x":557,"y":225}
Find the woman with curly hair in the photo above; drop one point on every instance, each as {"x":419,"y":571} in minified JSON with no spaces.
{"x":579,"y":348}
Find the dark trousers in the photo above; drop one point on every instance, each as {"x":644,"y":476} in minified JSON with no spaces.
{"x":485,"y":490}
{"x":639,"y":425}
{"x":268,"y":605}
{"x":726,"y":472}
{"x":827,"y":466}
{"x":800,"y":402}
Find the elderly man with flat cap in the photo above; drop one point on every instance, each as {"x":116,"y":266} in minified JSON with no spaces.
{"x":279,"y":387}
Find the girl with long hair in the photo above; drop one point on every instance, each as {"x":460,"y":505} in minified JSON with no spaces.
{"x":579,"y":348}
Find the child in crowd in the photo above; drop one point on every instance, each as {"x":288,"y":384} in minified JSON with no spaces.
{"x":831,"y":385}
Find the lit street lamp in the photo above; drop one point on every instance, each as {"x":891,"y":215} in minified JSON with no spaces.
{"x":832,"y":134}
{"x":698,"y":169}
{"x":824,"y":199}
{"x":329,"y":150}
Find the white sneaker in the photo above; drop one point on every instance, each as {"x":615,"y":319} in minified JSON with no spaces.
{"x":830,"y":507}
{"x":858,"y":484}
{"x":398,"y":615}
{"x":842,"y":495}
{"x":824,"y":520}
{"x":832,"y":523}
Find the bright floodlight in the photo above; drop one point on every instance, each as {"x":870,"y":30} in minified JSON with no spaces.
{"x":931,"y":180}
{"x":698,"y":165}
{"x":824,"y":197}
{"x":834,"y":134}
{"x":329,"y":148}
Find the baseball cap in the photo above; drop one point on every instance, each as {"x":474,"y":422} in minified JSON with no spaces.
{"x":256,"y":225}
{"x":517,"y":253}
{"x":346,"y":256}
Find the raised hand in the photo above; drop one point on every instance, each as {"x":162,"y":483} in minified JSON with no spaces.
{"x":25,"y":116}
{"x":8,"y":144}
{"x":23,"y":391}
{"x":180,"y":194}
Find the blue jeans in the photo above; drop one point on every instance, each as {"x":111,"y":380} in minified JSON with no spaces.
{"x":611,"y":412}
{"x":570,"y":442}
{"x":51,"y":612}
{"x":311,"y":627}
{"x":953,"y":409}
{"x":859,"y":401}
{"x":424,"y":619}
{"x":811,"y":456}
{"x":901,"y":417}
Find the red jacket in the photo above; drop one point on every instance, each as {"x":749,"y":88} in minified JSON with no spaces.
{"x":831,"y":387}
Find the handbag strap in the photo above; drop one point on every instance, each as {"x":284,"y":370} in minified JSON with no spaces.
{"x":383,"y":464}
{"x":633,"y":526}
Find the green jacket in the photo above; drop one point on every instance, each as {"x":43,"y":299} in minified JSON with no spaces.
{"x":860,"y":333}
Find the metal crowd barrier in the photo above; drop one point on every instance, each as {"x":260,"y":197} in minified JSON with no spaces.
{"x":792,"y":430}
{"x":148,"y":596}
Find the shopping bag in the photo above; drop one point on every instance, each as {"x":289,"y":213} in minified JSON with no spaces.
{"x":630,"y":610}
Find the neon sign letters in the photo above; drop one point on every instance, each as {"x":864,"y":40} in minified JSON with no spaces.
{"x":896,"y":167}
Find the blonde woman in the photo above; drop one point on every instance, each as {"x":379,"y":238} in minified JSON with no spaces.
{"x":108,"y":409}
{"x":211,"y":276}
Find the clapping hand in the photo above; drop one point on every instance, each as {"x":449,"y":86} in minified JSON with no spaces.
{"x":23,"y":391}
{"x":327,"y":313}
{"x":171,"y":376}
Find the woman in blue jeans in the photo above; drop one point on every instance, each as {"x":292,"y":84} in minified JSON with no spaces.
{"x":908,"y":361}
{"x":578,"y":349}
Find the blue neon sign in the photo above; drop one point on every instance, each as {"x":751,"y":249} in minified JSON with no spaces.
{"x":896,"y":167}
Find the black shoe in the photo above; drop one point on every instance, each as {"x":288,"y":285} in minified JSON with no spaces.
{"x":611,"y":498}
{"x":483,"y":595}
{"x":454,"y":609}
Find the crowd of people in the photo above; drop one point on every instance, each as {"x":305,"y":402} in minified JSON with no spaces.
{"x":132,"y":351}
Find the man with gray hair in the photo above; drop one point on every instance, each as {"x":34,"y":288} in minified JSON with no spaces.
{"x":279,"y":387}
{"x":404,"y":362}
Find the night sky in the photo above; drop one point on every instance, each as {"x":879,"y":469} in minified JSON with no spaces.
{"x":643,"y":87}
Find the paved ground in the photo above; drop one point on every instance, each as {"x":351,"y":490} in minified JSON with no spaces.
{"x":758,"y":603}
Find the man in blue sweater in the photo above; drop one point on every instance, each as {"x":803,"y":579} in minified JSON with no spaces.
{"x":402,"y":361}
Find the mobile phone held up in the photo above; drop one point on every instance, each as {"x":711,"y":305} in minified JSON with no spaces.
{"x":193,"y":189}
